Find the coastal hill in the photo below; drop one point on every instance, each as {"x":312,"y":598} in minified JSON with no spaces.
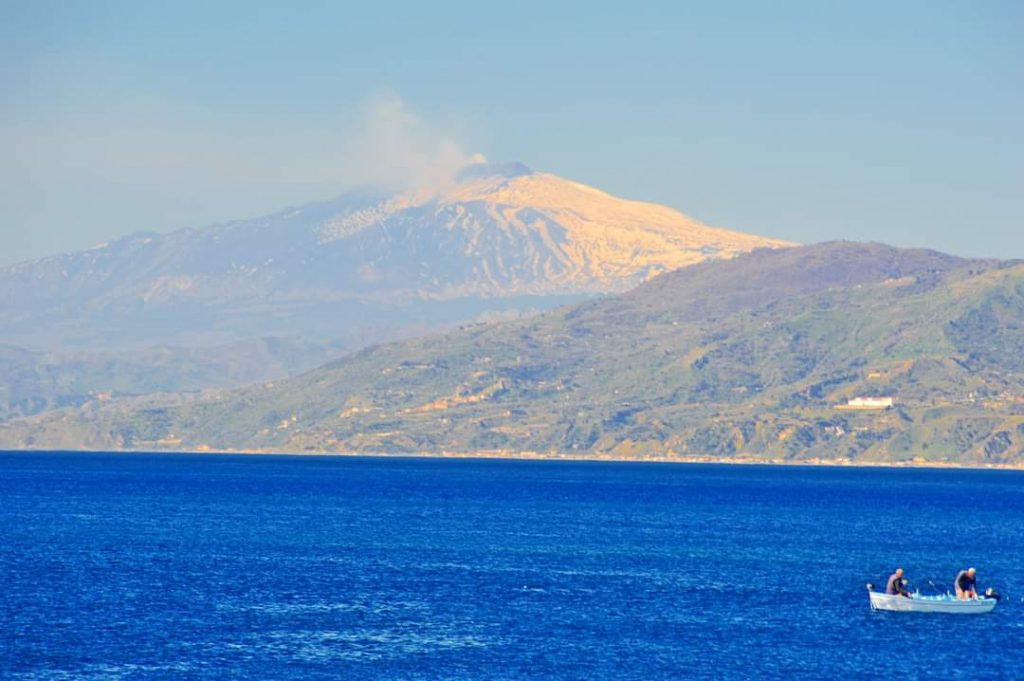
{"x":837,"y":351}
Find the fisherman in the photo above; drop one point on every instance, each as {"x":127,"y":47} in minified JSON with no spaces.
{"x":896,"y":584}
{"x":965,"y":584}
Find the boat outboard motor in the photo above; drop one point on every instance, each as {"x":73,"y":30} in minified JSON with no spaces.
{"x":993,"y":594}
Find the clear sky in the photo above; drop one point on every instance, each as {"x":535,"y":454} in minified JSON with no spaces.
{"x":892,"y":121}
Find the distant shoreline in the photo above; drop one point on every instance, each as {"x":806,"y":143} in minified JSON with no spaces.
{"x":532,"y":456}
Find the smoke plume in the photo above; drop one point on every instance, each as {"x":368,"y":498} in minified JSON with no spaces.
{"x":396,"y":149}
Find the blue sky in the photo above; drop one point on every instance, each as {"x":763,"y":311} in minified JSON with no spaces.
{"x":893,"y":121}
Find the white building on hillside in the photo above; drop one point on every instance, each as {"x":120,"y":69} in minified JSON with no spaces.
{"x":869,"y":403}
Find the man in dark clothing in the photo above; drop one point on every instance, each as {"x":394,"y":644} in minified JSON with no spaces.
{"x":894,"y":587}
{"x":965,"y":584}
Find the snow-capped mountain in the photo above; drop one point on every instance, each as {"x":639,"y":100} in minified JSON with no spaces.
{"x":360,"y":267}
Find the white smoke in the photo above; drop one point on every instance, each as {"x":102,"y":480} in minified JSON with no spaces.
{"x":393,"y":148}
{"x":163,"y":164}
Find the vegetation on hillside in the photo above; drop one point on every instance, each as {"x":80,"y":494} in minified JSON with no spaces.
{"x":748,"y":358}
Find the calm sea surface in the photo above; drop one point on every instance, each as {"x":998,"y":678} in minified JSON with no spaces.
{"x":140,"y":567}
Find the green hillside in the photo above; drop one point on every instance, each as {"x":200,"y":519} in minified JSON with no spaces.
{"x":747,"y":358}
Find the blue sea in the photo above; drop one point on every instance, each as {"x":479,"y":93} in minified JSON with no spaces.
{"x":265,"y":567}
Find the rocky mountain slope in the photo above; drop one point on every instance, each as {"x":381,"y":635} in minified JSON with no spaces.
{"x":330,"y":277}
{"x":747,"y":358}
{"x":357,"y":269}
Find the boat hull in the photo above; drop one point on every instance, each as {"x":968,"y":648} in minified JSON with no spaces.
{"x":918,"y":603}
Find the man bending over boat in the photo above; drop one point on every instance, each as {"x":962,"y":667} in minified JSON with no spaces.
{"x":966,"y":587}
{"x":896,"y":586}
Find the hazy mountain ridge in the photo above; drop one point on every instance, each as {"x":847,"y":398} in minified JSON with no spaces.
{"x":313,"y":270}
{"x":743,"y":358}
{"x":35,"y":382}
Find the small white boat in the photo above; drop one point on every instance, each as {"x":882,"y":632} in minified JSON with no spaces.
{"x":916,"y":602}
